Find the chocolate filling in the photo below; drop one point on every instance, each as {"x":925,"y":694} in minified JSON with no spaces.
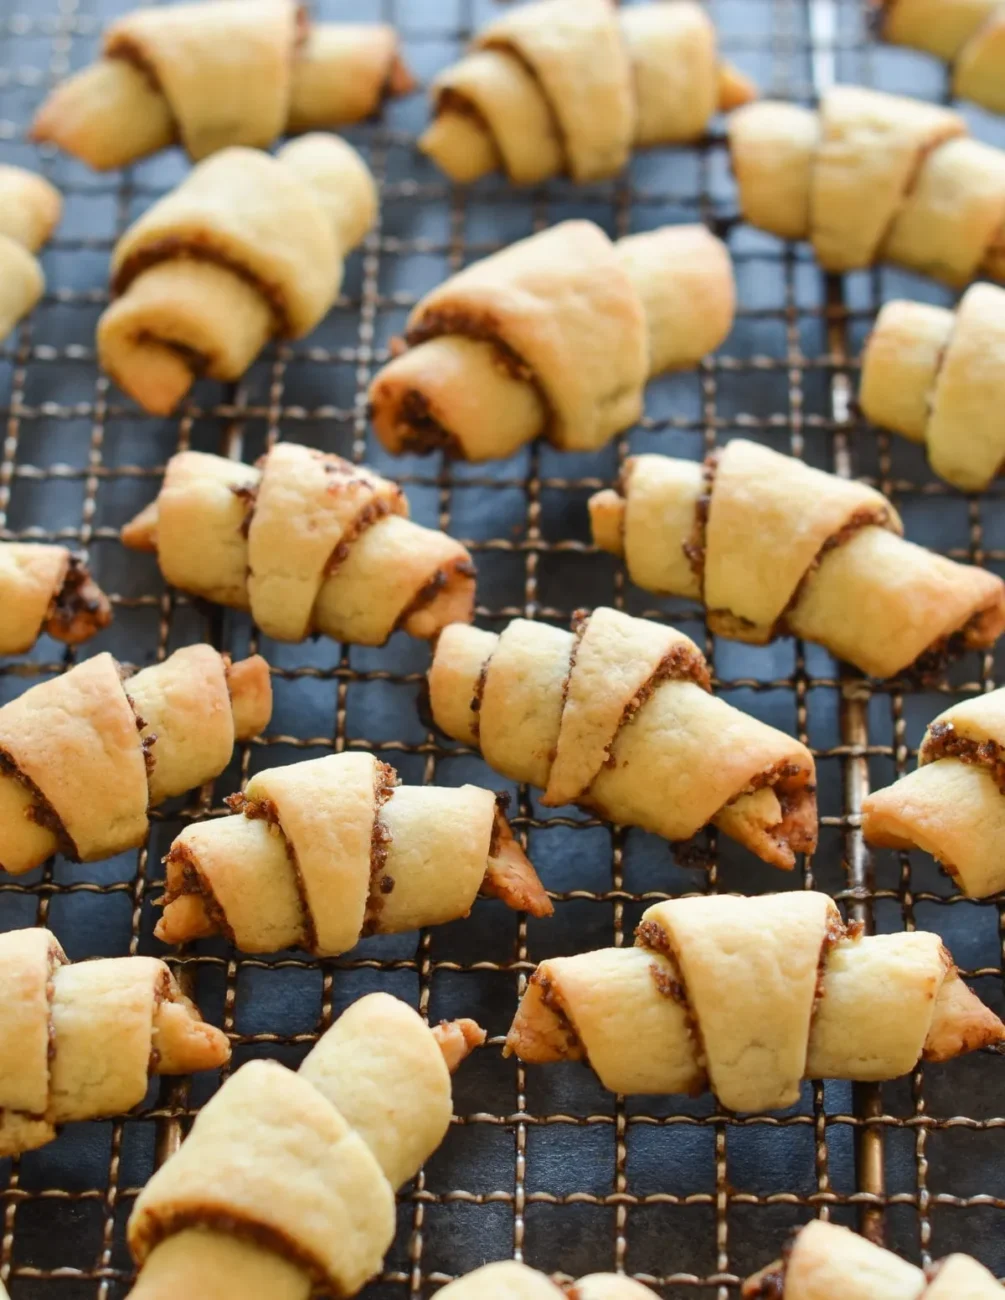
{"x":381,"y":883}
{"x":933,"y":662}
{"x":518,"y":56}
{"x":41,"y":811}
{"x":372,"y":512}
{"x":499,"y":822}
{"x":771,"y":1285}
{"x":549,"y":996}
{"x":425,"y":432}
{"x":266,"y":810}
{"x":694,"y":546}
{"x":476,"y":699}
{"x":248,"y":497}
{"x":172,"y":248}
{"x":428,"y":592}
{"x":943,"y":741}
{"x":681,"y":663}
{"x":196,"y":360}
{"x":157,"y":1226}
{"x":194,"y":882}
{"x":162,"y":991}
{"x":865,"y":518}
{"x":79,"y":608}
{"x":655,"y":938}
{"x":484,"y":328}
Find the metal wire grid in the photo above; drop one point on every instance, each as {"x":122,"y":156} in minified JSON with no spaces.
{"x":539,"y":1164}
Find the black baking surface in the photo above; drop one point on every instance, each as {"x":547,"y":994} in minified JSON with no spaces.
{"x":541,"y":1161}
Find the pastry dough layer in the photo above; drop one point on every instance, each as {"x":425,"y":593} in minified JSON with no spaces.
{"x":569,"y":86}
{"x":46,"y":589}
{"x":308,"y":542}
{"x":555,"y":335}
{"x":747,"y":996}
{"x":325,"y":851}
{"x":619,"y":717}
{"x":772,"y":545}
{"x":30,"y":209}
{"x":509,"y":1280}
{"x":828,"y":1262}
{"x":247,"y":246}
{"x":965,"y":33}
{"x":937,"y":377}
{"x":80,"y":1041}
{"x":872,"y":177}
{"x":953,"y":805}
{"x":214,"y":75}
{"x":303,"y":1165}
{"x":79,"y":754}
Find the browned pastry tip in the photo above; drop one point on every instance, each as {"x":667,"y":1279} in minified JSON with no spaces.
{"x":45,"y":588}
{"x":250,"y":685}
{"x":457,"y":1039}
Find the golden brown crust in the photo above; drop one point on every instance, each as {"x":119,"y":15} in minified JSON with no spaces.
{"x":872,"y":177}
{"x":247,"y":246}
{"x":310,"y":543}
{"x":214,"y":76}
{"x":569,"y":86}
{"x":325,"y":851}
{"x":936,"y":377}
{"x":79,"y":1041}
{"x":619,"y":717}
{"x":80,"y":752}
{"x":46,"y":589}
{"x":774,"y":547}
{"x":553,"y":336}
{"x":288,"y":1179}
{"x":748,"y":996}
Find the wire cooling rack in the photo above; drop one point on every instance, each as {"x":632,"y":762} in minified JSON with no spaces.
{"x":541,"y":1164}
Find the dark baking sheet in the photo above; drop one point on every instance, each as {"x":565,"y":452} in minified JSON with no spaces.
{"x":539,"y":1162}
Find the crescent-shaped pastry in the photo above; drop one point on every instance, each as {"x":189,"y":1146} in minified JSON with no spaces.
{"x":81,"y":1040}
{"x":774,"y":547}
{"x":323,"y":852}
{"x":216,"y":74}
{"x":555,"y":335}
{"x":568,"y":87}
{"x":969,"y":34}
{"x":872,"y":177}
{"x":618,"y":716}
{"x":953,"y":805}
{"x":30,"y":209}
{"x":287,"y":1180}
{"x":84,"y":755}
{"x":827,"y":1262}
{"x":47,"y":589}
{"x":747,"y":997}
{"x":509,"y":1280}
{"x":248,"y":246}
{"x":308,"y":543}
{"x":938,"y":377}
